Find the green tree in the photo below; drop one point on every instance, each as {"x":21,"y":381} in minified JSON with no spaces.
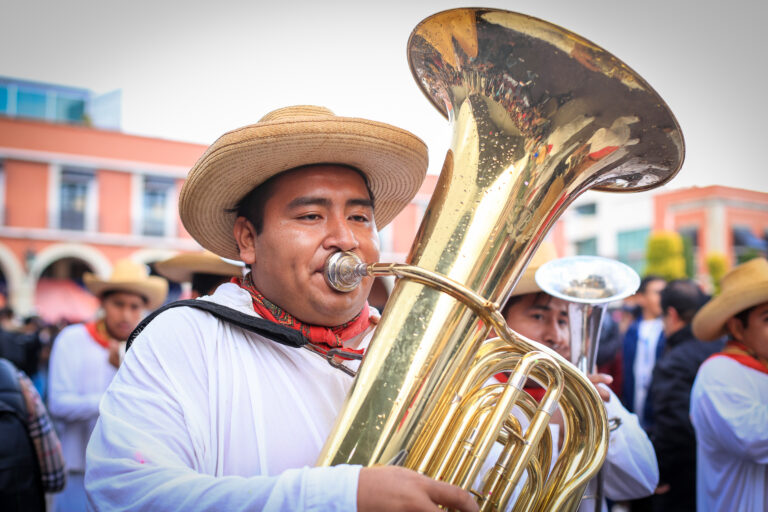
{"x":717,"y":266}
{"x":665,"y":255}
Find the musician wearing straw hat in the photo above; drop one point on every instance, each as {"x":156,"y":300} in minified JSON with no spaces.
{"x":630,"y":469}
{"x":84,"y":360}
{"x":729,"y":401}
{"x":209,"y":414}
{"x":203,"y":270}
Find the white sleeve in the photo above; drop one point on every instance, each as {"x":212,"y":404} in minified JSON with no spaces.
{"x":727,"y":410}
{"x":630,"y":470}
{"x":66,"y":367}
{"x":141,"y":455}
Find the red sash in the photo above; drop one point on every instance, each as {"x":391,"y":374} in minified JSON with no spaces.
{"x":98,"y":332}
{"x":742,"y":355}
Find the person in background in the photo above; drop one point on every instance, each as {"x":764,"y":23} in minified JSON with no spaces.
{"x":630,"y":470}
{"x":643,"y":345}
{"x":31,"y":460}
{"x":204,"y":270}
{"x":729,"y":401}
{"x":672,"y":433}
{"x":84,"y":359}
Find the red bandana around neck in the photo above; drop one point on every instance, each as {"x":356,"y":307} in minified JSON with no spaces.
{"x":98,"y":331}
{"x":743,"y":355}
{"x":321,"y":337}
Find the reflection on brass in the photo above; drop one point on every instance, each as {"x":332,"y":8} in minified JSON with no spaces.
{"x":539,"y":115}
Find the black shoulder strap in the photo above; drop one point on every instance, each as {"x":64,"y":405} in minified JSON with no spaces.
{"x":276,"y":332}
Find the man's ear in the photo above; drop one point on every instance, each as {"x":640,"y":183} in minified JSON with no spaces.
{"x":735,"y":328}
{"x":245,"y":236}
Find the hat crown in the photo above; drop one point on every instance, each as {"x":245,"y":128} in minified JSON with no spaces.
{"x":748,"y":273}
{"x":128,"y":270}
{"x":294,"y":111}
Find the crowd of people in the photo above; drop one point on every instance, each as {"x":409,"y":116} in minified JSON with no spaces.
{"x":214,"y":403}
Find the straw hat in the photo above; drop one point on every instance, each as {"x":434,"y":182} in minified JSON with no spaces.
{"x":743,"y":287}
{"x":131,"y":277}
{"x":394,"y":160}
{"x":180,"y":268}
{"x":527,"y":283}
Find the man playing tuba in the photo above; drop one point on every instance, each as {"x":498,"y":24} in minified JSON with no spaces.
{"x":205,"y":415}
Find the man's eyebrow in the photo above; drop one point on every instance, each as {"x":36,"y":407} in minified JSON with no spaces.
{"x":363,"y":201}
{"x":309,"y":201}
{"x":325,"y":202}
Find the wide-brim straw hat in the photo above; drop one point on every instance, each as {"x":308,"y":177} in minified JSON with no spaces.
{"x":180,"y":268}
{"x":741,"y":288}
{"x":527,"y":283}
{"x":394,"y":161}
{"x":130,"y":277}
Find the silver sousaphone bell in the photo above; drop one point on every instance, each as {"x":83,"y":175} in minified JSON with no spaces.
{"x":588,"y":284}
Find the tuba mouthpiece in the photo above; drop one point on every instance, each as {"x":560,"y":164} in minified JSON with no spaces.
{"x":343,"y":271}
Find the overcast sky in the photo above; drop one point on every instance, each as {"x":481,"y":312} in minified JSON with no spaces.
{"x":191,"y":70}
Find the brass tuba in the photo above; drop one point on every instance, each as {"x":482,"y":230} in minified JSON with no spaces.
{"x":539,"y":115}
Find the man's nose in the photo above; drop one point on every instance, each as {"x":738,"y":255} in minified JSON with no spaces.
{"x":340,"y":235}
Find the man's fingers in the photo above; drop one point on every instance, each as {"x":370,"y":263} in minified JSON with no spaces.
{"x":451,"y":496}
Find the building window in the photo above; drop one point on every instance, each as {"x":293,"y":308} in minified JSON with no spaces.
{"x":31,"y":103}
{"x":586,"y":209}
{"x":70,"y":109}
{"x":76,"y":191}
{"x":3,"y":99}
{"x":157,"y":207}
{"x":587,"y":247}
{"x":632,"y":246}
{"x":746,"y":245}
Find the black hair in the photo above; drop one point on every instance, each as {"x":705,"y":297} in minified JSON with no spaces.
{"x":517,"y":298}
{"x":743,"y":316}
{"x":251,"y":206}
{"x":684,"y":296}
{"x":112,"y":292}
{"x":648,"y":280}
{"x":204,"y":284}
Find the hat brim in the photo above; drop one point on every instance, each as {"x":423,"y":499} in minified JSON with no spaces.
{"x":394,"y":161}
{"x":154,"y":289}
{"x":181,"y":268}
{"x":709,"y":322}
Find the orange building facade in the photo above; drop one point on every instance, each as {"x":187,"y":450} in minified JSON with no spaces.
{"x":75,"y":199}
{"x":716,"y":219}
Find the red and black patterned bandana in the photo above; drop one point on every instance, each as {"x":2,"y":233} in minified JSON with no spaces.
{"x":321,"y":337}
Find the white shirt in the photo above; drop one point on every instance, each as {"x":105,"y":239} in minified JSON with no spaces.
{"x":205,"y":416}
{"x":79,"y":373}
{"x":648,"y":334}
{"x":630,"y":470}
{"x":729,"y":411}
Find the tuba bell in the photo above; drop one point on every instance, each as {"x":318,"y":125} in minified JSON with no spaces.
{"x":539,"y":116}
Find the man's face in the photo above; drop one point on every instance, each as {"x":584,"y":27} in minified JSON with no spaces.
{"x":122,"y":312}
{"x":311,"y":214}
{"x":542,"y":318}
{"x":755,"y":333}
{"x":650,"y":299}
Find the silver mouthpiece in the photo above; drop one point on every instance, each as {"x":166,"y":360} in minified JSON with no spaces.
{"x":343,"y":271}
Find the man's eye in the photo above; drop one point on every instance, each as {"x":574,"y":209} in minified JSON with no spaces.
{"x":359,"y":218}
{"x":537,"y":316}
{"x":310,"y":216}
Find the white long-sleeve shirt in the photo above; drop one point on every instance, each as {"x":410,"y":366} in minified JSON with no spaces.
{"x":205,"y":416}
{"x":729,"y":411}
{"x":79,"y":373}
{"x":630,"y":470}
